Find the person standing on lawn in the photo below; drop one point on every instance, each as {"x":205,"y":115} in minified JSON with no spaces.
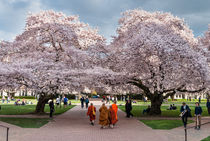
{"x":208,"y":106}
{"x":86,"y":102}
{"x":104,"y":116}
{"x":198,"y":112}
{"x":128,"y":108}
{"x":91,"y":113}
{"x":65,"y":101}
{"x":51,"y":104}
{"x":199,"y":99}
{"x":57,"y":102}
{"x":185,"y":113}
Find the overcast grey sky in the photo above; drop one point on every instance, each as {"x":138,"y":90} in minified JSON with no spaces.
{"x":103,"y":14}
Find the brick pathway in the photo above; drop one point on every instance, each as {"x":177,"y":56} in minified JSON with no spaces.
{"x":74,"y":126}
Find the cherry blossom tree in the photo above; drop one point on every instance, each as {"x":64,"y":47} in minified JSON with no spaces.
{"x":156,"y":52}
{"x":204,"y":46}
{"x":53,"y":54}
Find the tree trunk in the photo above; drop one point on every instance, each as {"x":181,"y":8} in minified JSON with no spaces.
{"x":156,"y":102}
{"x":41,"y":104}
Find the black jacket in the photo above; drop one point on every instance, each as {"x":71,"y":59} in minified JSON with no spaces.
{"x":188,"y":113}
{"x":128,"y":106}
{"x":51,"y":104}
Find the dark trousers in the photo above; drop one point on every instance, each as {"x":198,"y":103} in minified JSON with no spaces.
{"x":82,"y":104}
{"x":86,"y":105}
{"x":129,"y":113}
{"x":184,"y":120}
{"x":51,"y":113}
{"x":209,"y":111}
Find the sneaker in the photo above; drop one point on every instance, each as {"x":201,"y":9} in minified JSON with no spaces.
{"x":195,"y":127}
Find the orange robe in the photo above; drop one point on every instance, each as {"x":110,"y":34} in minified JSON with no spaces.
{"x":115,"y":108}
{"x":91,"y":112}
{"x":104,"y":116}
{"x":112,"y":116}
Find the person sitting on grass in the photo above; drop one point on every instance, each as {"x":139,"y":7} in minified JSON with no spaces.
{"x":174,"y":107}
{"x":23,"y":102}
{"x":198,"y":112}
{"x":30,"y":102}
{"x":147,"y":110}
{"x":134,"y":101}
{"x":17,"y":102}
{"x":170,"y":107}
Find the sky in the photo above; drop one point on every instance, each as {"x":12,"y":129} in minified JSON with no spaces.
{"x":103,"y":14}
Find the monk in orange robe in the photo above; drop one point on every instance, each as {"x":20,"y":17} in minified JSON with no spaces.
{"x":115,"y":108}
{"x":112,"y":117}
{"x":91,"y":113}
{"x":104,"y":116}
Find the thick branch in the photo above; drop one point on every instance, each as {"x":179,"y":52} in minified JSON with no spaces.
{"x":139,"y":84}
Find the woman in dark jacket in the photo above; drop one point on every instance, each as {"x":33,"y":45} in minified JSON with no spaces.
{"x":128,"y":108}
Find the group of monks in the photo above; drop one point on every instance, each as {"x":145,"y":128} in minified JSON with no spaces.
{"x":107,"y":117}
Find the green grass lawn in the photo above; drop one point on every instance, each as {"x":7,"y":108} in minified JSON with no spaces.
{"x":137,"y":111}
{"x":26,"y":122}
{"x":28,"y":109}
{"x":206,"y":139}
{"x":164,"y":124}
{"x":34,"y":101}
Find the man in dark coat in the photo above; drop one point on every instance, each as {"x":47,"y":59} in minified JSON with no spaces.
{"x":128,"y":108}
{"x":208,"y":106}
{"x":82,"y":100}
{"x":185,"y":113}
{"x":51,"y":104}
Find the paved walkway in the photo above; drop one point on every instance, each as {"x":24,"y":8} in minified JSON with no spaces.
{"x":74,"y":126}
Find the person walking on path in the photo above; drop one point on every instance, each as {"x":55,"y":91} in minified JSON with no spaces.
{"x":198,"y":112}
{"x":91,"y":113}
{"x":128,"y":108}
{"x":51,"y":104}
{"x":185,"y":113}
{"x":65,"y":101}
{"x":112,"y":117}
{"x":115,"y":108}
{"x":86,"y":102}
{"x":82,"y":102}
{"x":103,"y":117}
{"x":208,"y":106}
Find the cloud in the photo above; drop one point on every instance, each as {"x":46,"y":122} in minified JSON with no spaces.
{"x":103,"y":14}
{"x":13,"y":14}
